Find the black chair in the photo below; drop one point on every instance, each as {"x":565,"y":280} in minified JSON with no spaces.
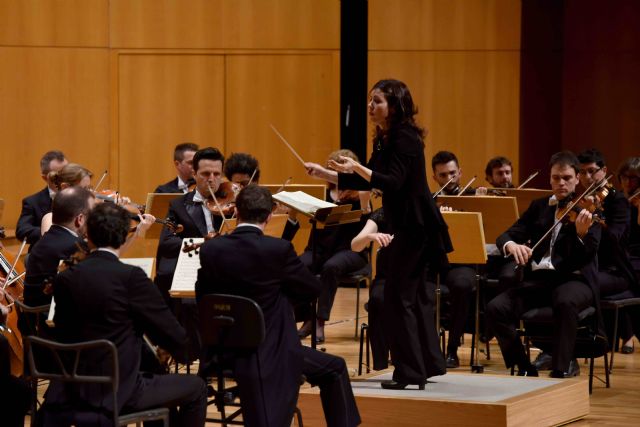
{"x":615,"y":303}
{"x":32,"y":317}
{"x":356,"y":278}
{"x":229,"y":324}
{"x":364,"y":338}
{"x":67,"y":361}
{"x":537,"y":327}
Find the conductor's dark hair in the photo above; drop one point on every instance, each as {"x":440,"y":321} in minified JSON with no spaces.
{"x":496,"y":162}
{"x":400,"y":103}
{"x":69,"y":203}
{"x":254,"y":204}
{"x":47,"y":158}
{"x":178,"y":152}
{"x":108,"y":225}
{"x":242,"y":163}
{"x":565,"y":158}
{"x":592,"y":155}
{"x":443,"y":157}
{"x":208,"y":153}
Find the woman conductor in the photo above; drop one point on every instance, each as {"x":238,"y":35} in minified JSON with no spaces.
{"x":421,"y":240}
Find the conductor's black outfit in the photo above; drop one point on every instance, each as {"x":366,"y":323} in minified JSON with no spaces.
{"x":103,"y":298}
{"x":268,"y":271}
{"x":568,"y":287}
{"x":420,"y":239}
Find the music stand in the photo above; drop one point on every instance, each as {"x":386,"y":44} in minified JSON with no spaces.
{"x":467,"y":236}
{"x":158,"y":206}
{"x":525,"y":196}
{"x":319,"y":219}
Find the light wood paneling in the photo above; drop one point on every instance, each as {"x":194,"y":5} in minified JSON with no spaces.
{"x":164,"y":100}
{"x":54,"y":23}
{"x":467,"y":100}
{"x":299,"y":95}
{"x":290,"y":24}
{"x":50,"y":99}
{"x":444,"y":24}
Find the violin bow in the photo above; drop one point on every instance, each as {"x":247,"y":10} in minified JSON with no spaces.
{"x":104,"y":175}
{"x":634,"y":195}
{"x":461,"y":192}
{"x":13,"y":266}
{"x":437,"y":193}
{"x":284,"y":184}
{"x":215,"y":200}
{"x":526,"y":181}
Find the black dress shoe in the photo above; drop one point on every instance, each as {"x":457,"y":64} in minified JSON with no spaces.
{"x":573,"y":371}
{"x":394,"y":385}
{"x":543,"y":361}
{"x":531,"y":371}
{"x":452,"y":361}
{"x":626,"y":349}
{"x":305,"y":330}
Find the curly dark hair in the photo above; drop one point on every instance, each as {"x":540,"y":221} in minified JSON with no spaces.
{"x":242,"y":163}
{"x":108,"y":225}
{"x":401,"y":107}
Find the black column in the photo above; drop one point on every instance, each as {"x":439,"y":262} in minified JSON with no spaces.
{"x":353,"y":76}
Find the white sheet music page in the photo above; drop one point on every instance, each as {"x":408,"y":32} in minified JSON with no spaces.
{"x":301,"y":201}
{"x":146,"y":264}
{"x":186,"y":274}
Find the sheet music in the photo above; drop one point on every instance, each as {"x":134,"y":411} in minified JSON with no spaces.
{"x":186,"y":274}
{"x":302,"y":201}
{"x":146,"y":264}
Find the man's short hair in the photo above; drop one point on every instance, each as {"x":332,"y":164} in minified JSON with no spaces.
{"x":178,"y":152}
{"x":496,"y":162}
{"x":254,"y":204}
{"x":108,"y":225}
{"x":443,"y":157}
{"x":69,"y":203}
{"x":242,"y":163}
{"x":565,"y":158}
{"x":48,"y":157}
{"x":208,"y":153}
{"x":592,"y":155}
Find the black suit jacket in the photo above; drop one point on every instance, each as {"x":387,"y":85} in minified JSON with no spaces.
{"x":169,"y":187}
{"x":399,"y":171}
{"x":34,"y":208}
{"x":267,"y":270}
{"x":102,"y":298}
{"x":42,"y":264}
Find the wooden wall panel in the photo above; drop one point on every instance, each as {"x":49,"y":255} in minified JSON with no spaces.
{"x":467,"y":100}
{"x":444,"y":24}
{"x":163,"y":100}
{"x":54,"y":23}
{"x":273,"y":24}
{"x":50,"y":99}
{"x":299,"y":95}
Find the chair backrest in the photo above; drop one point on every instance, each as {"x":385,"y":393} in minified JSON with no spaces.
{"x":230,"y":321}
{"x":31,"y":315}
{"x":66,"y":361}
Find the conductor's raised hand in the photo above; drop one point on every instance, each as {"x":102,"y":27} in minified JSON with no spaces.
{"x":314,"y":169}
{"x":521,"y":253}
{"x":346,"y":165}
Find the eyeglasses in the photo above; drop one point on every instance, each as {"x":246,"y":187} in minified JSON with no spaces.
{"x":590,"y":171}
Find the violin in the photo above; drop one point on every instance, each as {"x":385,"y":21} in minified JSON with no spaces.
{"x":223,"y":202}
{"x":568,"y":210}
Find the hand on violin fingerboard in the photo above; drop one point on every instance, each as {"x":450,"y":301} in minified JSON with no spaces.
{"x":583,"y":223}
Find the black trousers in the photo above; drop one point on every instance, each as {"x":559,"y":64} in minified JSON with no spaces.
{"x":568,"y":295}
{"x":409,"y":310}
{"x":460,"y":281}
{"x":377,"y":337}
{"x":339,"y":264}
{"x":330,"y":373}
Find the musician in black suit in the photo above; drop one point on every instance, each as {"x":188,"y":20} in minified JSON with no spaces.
{"x":64,"y":238}
{"x":499,"y":172}
{"x":34,"y":207}
{"x":267,"y":270}
{"x":563,"y":273}
{"x":183,"y":161}
{"x":239,"y":169}
{"x":191,"y":212}
{"x":397,"y":168}
{"x":103,"y":298}
{"x":445,"y":167}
